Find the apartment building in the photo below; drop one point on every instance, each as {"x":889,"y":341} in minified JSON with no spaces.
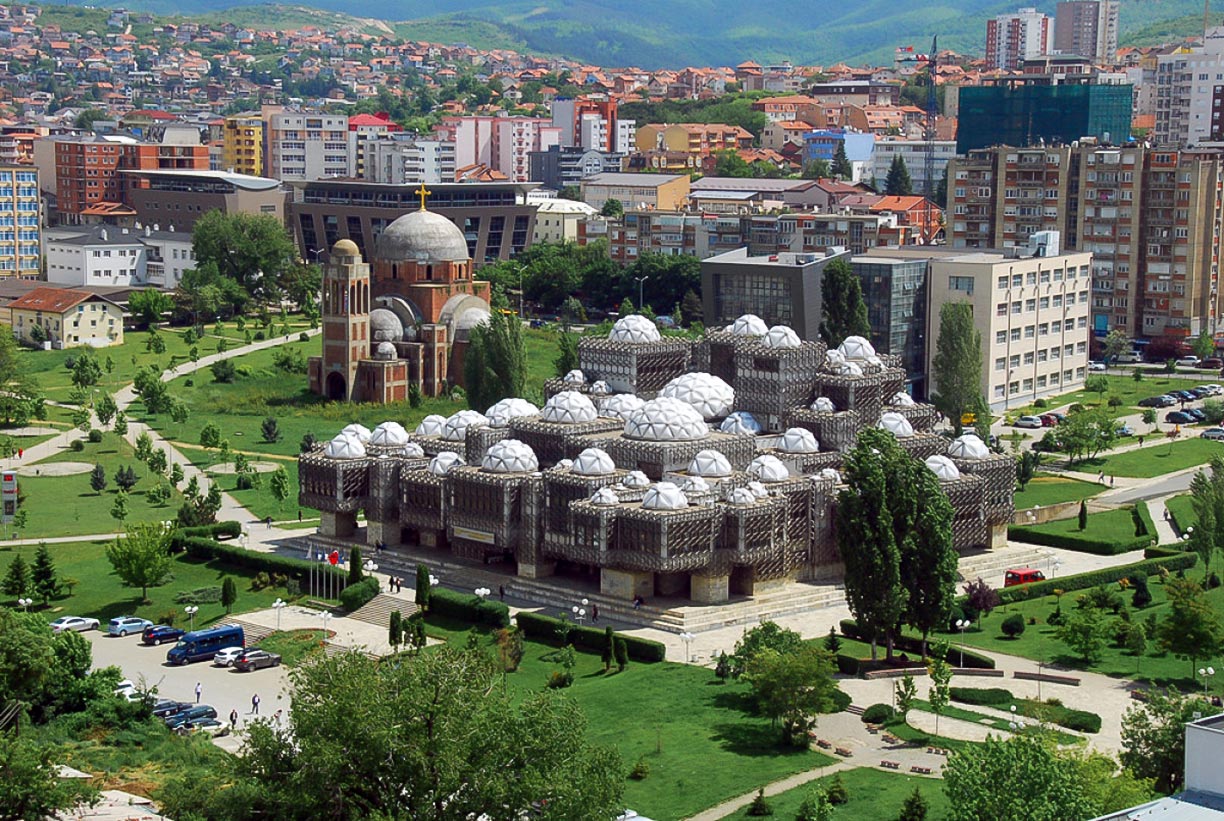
{"x":501,"y":143}
{"x":67,"y":318}
{"x":1190,"y":94}
{"x":658,"y":192}
{"x":402,"y":158}
{"x":592,"y":124}
{"x":242,"y":144}
{"x":913,"y":153}
{"x":1031,"y":307}
{"x":1151,"y":218}
{"x":1012,"y":38}
{"x":558,"y":220}
{"x":364,"y":129}
{"x":180,"y":197}
{"x":560,"y":167}
{"x":1088,"y":28}
{"x":111,"y":256}
{"x":20,"y":232}
{"x":307,"y":146}
{"x":696,"y":139}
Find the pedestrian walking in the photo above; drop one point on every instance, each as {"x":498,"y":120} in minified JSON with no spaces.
{"x":594,"y":612}
{"x":199,"y":689}
{"x":1101,"y":477}
{"x":269,"y":522}
{"x":255,"y":704}
{"x":299,"y":514}
{"x":1111,"y":481}
{"x":234,"y":719}
{"x":501,"y":592}
{"x":277,"y":717}
{"x":399,"y":585}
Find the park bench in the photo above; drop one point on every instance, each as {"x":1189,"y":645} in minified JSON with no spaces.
{"x":842,"y":751}
{"x":824,"y":745}
{"x":937,"y":751}
{"x":1050,"y":677}
{"x":917,"y":768}
{"x":891,"y":765}
{"x":891,"y":739}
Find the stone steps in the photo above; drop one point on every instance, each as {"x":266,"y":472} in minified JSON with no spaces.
{"x":990,"y":566}
{"x":377,"y":611}
{"x":254,"y":633}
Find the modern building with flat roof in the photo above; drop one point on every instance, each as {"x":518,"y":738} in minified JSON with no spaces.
{"x":657,"y":192}
{"x":895,"y":291}
{"x":180,"y":197}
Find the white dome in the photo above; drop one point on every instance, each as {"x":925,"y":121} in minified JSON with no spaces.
{"x":901,"y":399}
{"x":768,"y":468}
{"x":634,"y":328}
{"x":500,"y":413}
{"x":834,"y":359}
{"x":695,"y":484}
{"x":385,"y":352}
{"x":574,"y":377}
{"x":593,"y":462}
{"x":344,"y":447}
{"x":389,"y":435}
{"x":757,"y":489}
{"x":710,"y":395}
{"x":897,"y":425}
{"x":856,"y":348}
{"x":664,"y":496}
{"x":510,"y":456}
{"x":780,"y":336}
{"x":563,"y":464}
{"x":360,"y":431}
{"x":664,"y":419}
{"x":741,"y":496}
{"x":431,"y":425}
{"x":874,"y":361}
{"x":824,"y":404}
{"x":412,"y":450}
{"x":635,"y":478}
{"x":848,"y":369}
{"x":620,"y":406}
{"x":455,"y":429}
{"x":568,"y":408}
{"x":740,"y":422}
{"x":709,"y":463}
{"x":600,"y":387}
{"x":943,"y":468}
{"x":472,"y":318}
{"x":441,"y":464}
{"x":749,"y":325}
{"x":830,"y":473}
{"x":968,"y":446}
{"x":605,"y":496}
{"x":799,"y":440}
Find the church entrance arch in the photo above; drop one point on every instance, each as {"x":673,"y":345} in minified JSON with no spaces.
{"x":335,"y":386}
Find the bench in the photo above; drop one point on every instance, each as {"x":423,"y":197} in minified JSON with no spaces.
{"x":889,"y":738}
{"x":842,"y":751}
{"x":824,"y":745}
{"x":917,"y":768}
{"x":891,"y":765}
{"x":937,"y":751}
{"x":873,"y":729}
{"x":1051,"y":678}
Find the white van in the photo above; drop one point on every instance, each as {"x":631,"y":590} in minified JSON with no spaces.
{"x":1128,"y":358}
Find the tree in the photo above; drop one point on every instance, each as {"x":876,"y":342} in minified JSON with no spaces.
{"x":253,"y":250}
{"x":1026,"y":467}
{"x":567,"y":353}
{"x":841,"y":163}
{"x":1082,"y":516}
{"x":767,"y":635}
{"x":20,"y":520}
{"x":612,"y":208}
{"x":815,"y":806}
{"x":1190,"y":629}
{"x":816,"y":170}
{"x":1154,"y":736}
{"x":495,"y":364}
{"x":210,"y":436}
{"x":119,"y":509}
{"x":176,"y":474}
{"x":1098,"y":384}
{"x":691,"y":309}
{"x":1207,"y":500}
{"x":149,"y":306}
{"x":121,"y":423}
{"x":43,"y":577}
{"x":229,"y":594}
{"x":97,"y":479}
{"x":792,"y":688}
{"x":981,"y":597}
{"x":906,"y":691}
{"x":31,"y":786}
{"x":142,"y":557}
{"x":395,"y":630}
{"x":86,"y":372}
{"x":125,"y":477}
{"x":914,"y":808}
{"x":843,"y":311}
{"x":105,"y":409}
{"x":280,"y":486}
{"x":832,"y":642}
{"x":434,"y":740}
{"x":1085,"y":433}
{"x":957,"y":365}
{"x":354,"y":571}
{"x":81,"y":417}
{"x":422,"y":587}
{"x":223,"y":370}
{"x":1085,"y":632}
{"x":1022,"y":778}
{"x":158,"y":461}
{"x":144,"y":446}
{"x":608,"y":649}
{"x":17,"y":581}
{"x":939,"y":696}
{"x":270,"y":430}
{"x":898,"y":183}
{"x":86,"y":119}
{"x":928,"y":558}
{"x":1116,"y":343}
{"x":572,"y":311}
{"x":159,"y":494}
{"x":1204,"y":345}
{"x":154,"y":343}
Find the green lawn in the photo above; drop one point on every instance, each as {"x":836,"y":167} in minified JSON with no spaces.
{"x":1156,"y":459}
{"x":68,"y":506}
{"x":47,"y":367}
{"x":1048,"y":489}
{"x":995,"y":722}
{"x":1182,"y":512}
{"x":1125,"y":388}
{"x":1108,"y":532}
{"x":702,"y":743}
{"x":293,"y":646}
{"x":874,"y":795}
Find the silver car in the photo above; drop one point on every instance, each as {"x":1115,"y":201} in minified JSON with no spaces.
{"x":227,"y":657}
{"x":78,"y":623}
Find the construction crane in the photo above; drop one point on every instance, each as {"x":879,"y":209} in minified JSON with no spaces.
{"x":932,"y":111}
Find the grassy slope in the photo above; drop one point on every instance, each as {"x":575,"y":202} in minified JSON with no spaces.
{"x":874,"y":795}
{"x":1158,"y":459}
{"x":1047,"y":489}
{"x":1108,"y":525}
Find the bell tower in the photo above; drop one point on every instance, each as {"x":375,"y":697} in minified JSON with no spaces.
{"x":346,"y":321}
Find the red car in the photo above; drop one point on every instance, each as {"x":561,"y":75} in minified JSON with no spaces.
{"x":1049,"y":420}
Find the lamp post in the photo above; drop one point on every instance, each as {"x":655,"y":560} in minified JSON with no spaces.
{"x":369,"y":566}
{"x":278,"y":606}
{"x":579,"y":611}
{"x":961,"y":624}
{"x":1017,"y":723}
{"x":1207,"y":673}
{"x":325,"y":615}
{"x":482,"y":592}
{"x":687,"y":638}
{"x":639,"y":281}
{"x":191,"y":610}
{"x":316,"y":252}
{"x":25,"y":604}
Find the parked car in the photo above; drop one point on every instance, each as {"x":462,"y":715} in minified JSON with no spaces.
{"x":77,"y":623}
{"x":1213,"y":389}
{"x":159,"y":633}
{"x":1197,"y":413}
{"x":1179,"y":418}
{"x":1188,"y":361}
{"x":1022,"y":575}
{"x":1128,"y":358}
{"x":1183,"y":395}
{"x":167,"y":708}
{"x":209,"y":726}
{"x":126,"y":625}
{"x":1096,"y":366}
{"x":1028,"y":422}
{"x":255,"y":659}
{"x":226,"y":657}
{"x":1162,"y":401}
{"x":1213,"y":433}
{"x":1212,"y":362}
{"x":190,"y":714}
{"x":1200,"y":391}
{"x":1124,"y":430}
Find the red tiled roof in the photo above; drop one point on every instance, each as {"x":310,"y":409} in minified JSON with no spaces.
{"x":52,"y":300}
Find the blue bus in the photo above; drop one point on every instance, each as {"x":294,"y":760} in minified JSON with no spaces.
{"x":202,"y":645}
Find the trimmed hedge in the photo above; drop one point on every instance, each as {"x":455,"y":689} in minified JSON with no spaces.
{"x":1076,"y":542}
{"x":229,"y":530}
{"x":1079,"y":720}
{"x":547,"y":629}
{"x":1157,"y":557}
{"x":468,"y":607}
{"x":257,"y":560}
{"x":878,"y":714}
{"x":910,"y":644}
{"x":358,"y":595}
{"x":1145,"y":516}
{"x":982,"y":696}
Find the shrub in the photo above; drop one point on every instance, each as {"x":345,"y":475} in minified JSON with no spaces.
{"x":95,"y":435}
{"x":1013,"y":626}
{"x":1080,"y":720}
{"x":303,"y":337}
{"x":245,"y":481}
{"x":259,"y":336}
{"x":1040,"y":403}
{"x":356,"y":596}
{"x":201,"y":595}
{"x":1056,"y":618}
{"x":910,"y":644}
{"x":1142,"y":597}
{"x":189,"y":382}
{"x":469,"y":608}
{"x":1155,"y":559}
{"x":168,"y":617}
{"x":1102,"y":598}
{"x":878,"y":714}
{"x":759,"y":808}
{"x":560,"y":679}
{"x":982,"y":696}
{"x":77,"y":445}
{"x":1213,"y":581}
{"x":298,"y":569}
{"x":588,"y":639}
{"x":837,"y":791}
{"x":1079,"y":541}
{"x":640,"y":770}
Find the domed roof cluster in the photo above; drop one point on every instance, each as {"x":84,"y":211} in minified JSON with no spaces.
{"x":500,"y":413}
{"x":780,"y":337}
{"x":901,"y":399}
{"x":837,"y":362}
{"x":665,"y":419}
{"x":768,"y":468}
{"x":897,"y":425}
{"x":757,"y":489}
{"x":943,"y":467}
{"x":593,"y":462}
{"x":344,"y":446}
{"x":634,"y":328}
{"x":968,"y":446}
{"x":799,"y":440}
{"x":457,"y":424}
{"x":620,"y":405}
{"x":431,"y":425}
{"x":856,"y":348}
{"x":389,"y":435}
{"x":749,"y":325}
{"x":510,"y":456}
{"x":412,"y":450}
{"x":694,"y":485}
{"x":600,"y":387}
{"x":421,"y":236}
{"x":710,"y":395}
{"x":711,"y":463}
{"x":740,"y":422}
{"x":441,"y":464}
{"x":824,"y":404}
{"x":740,"y":496}
{"x":568,"y":408}
{"x":664,"y":496}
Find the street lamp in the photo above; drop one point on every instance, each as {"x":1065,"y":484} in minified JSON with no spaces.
{"x":316,"y":252}
{"x":191,"y":610}
{"x":482,"y":591}
{"x":25,"y":604}
{"x":639,"y":281}
{"x":325,"y":615}
{"x":278,"y":606}
{"x":1205,"y":672}
{"x":687,"y":638}
{"x":579,"y":612}
{"x":961,"y":624}
{"x":369,"y":566}
{"x":1017,"y":723}
{"x":433,"y":580}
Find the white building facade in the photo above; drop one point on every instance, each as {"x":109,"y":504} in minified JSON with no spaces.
{"x":307,"y":146}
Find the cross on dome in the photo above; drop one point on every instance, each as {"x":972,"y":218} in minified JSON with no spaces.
{"x":423,"y":192}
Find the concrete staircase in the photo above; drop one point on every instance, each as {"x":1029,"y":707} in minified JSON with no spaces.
{"x":992,"y":564}
{"x":377,"y":611}
{"x":255,"y":633}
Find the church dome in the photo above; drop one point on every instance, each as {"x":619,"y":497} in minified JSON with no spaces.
{"x":441,"y":464}
{"x":345,"y":248}
{"x":620,"y":405}
{"x":593,"y":462}
{"x":568,"y":408}
{"x":634,"y":328}
{"x":510,"y":456}
{"x":710,"y":395}
{"x":709,"y":463}
{"x":389,"y":435}
{"x":500,"y":413}
{"x":740,"y":422}
{"x":664,"y":419}
{"x":385,"y":352}
{"x":768,"y":468}
{"x":799,"y":440}
{"x":431,"y":425}
{"x":421,"y":236}
{"x":455,"y":429}
{"x":664,"y":496}
{"x":385,"y":326}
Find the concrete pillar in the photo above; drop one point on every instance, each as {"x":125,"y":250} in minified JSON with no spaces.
{"x":536,"y":570}
{"x":998,"y":536}
{"x":709,"y":589}
{"x":337,"y":524}
{"x":385,"y":532}
{"x":432,"y":538}
{"x":625,"y":584}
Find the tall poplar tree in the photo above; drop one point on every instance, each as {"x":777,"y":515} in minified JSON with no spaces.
{"x":957,"y":366}
{"x":495,"y":363}
{"x":843,"y":311}
{"x":928,"y":559}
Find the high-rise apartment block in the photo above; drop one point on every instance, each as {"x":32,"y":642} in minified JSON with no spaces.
{"x":407,"y":159}
{"x":1190,"y":94}
{"x":307,"y":146}
{"x":592,"y":124}
{"x":90,"y":170}
{"x":500,"y":142}
{"x":1087,"y":28}
{"x":242,"y":147}
{"x":1152,"y":219}
{"x":1012,"y":38}
{"x":20,"y":235}
{"x":363,"y":130}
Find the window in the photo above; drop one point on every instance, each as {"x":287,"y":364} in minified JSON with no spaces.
{"x":964,"y":284}
{"x":1016,"y":307}
{"x":1017,"y":280}
{"x":1028,"y":358}
{"x":1041,"y":355}
{"x":1002,"y":284}
{"x":1000,"y":309}
{"x":1000,"y":364}
{"x":1000,"y":337}
{"x":1015,"y":334}
{"x":1043,"y":329}
{"x":1044,"y":302}
{"x":1030,"y":304}
{"x":1028,"y":385}
{"x":1014,"y":361}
